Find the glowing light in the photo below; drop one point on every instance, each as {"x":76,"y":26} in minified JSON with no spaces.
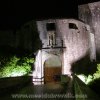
{"x":13,"y":74}
{"x":13,"y":68}
{"x":82,"y":77}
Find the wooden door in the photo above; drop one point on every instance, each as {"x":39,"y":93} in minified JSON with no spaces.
{"x":52,"y":74}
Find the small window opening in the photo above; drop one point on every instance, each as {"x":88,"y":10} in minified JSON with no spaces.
{"x":72,"y":26}
{"x":50,"y":26}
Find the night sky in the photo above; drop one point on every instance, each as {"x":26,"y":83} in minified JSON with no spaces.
{"x":14,"y":13}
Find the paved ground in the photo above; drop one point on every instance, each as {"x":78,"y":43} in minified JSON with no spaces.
{"x":52,"y":91}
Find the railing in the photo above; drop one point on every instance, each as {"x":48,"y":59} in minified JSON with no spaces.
{"x":82,"y":91}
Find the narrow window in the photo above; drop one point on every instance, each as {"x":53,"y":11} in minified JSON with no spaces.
{"x":51,"y":28}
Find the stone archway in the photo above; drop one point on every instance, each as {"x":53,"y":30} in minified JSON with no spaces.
{"x":52,"y":69}
{"x":43,"y":57}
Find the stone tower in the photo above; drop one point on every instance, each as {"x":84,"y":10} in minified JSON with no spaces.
{"x":64,"y":41}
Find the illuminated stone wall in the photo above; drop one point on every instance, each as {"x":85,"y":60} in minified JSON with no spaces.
{"x":90,"y":14}
{"x":76,"y":40}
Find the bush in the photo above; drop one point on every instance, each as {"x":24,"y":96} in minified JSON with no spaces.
{"x":97,"y":74}
{"x":90,"y":78}
{"x":15,"y":66}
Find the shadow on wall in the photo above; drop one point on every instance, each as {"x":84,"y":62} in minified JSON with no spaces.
{"x":84,"y":66}
{"x":25,"y":39}
{"x":36,"y":42}
{"x":98,"y":57}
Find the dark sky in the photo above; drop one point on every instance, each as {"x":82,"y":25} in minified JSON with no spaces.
{"x":14,"y":13}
